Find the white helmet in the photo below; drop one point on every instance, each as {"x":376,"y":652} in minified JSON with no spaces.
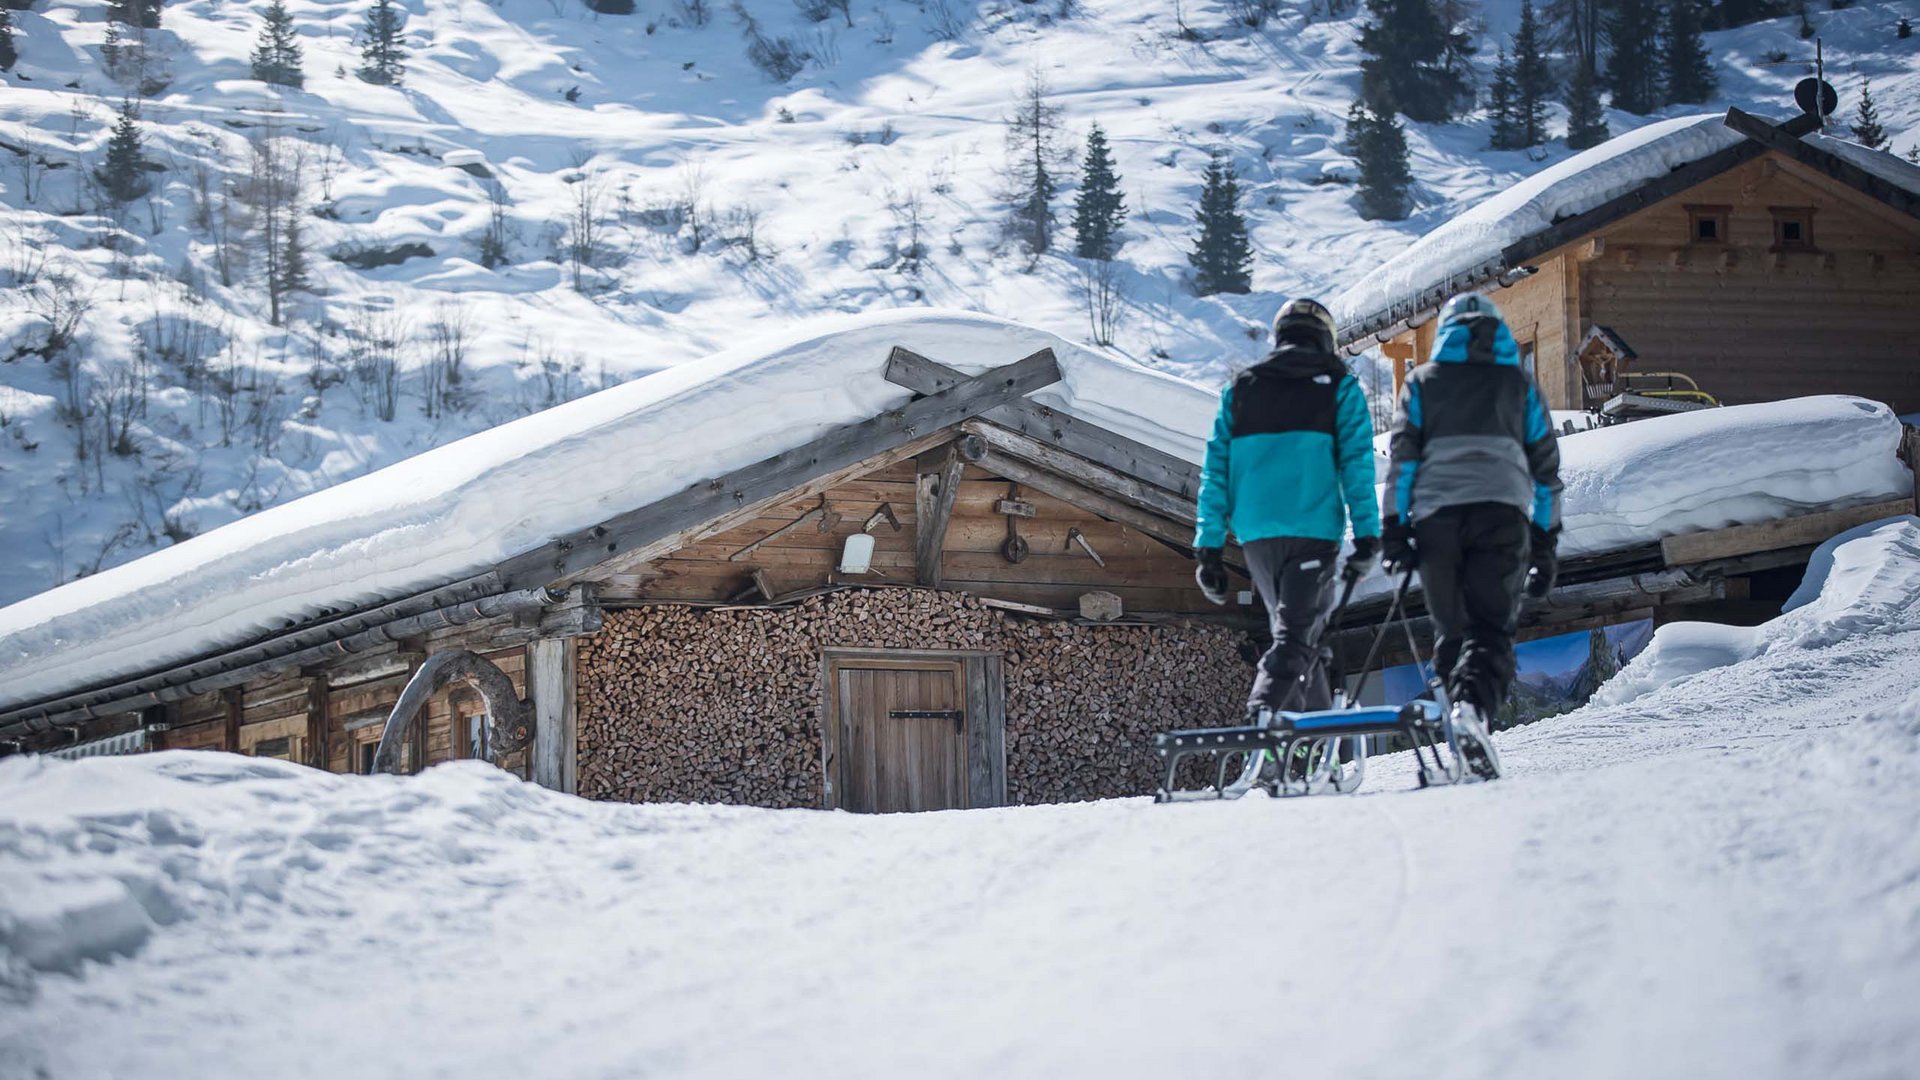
{"x":1466,"y":304}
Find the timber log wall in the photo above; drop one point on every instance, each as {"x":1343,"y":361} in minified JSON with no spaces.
{"x":689,"y":704}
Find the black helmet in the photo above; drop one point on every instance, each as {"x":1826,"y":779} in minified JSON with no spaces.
{"x":1305,"y":321}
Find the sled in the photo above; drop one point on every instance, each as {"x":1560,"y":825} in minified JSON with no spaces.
{"x":1318,"y":752}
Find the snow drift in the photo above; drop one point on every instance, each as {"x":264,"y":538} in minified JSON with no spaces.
{"x":1715,"y":879}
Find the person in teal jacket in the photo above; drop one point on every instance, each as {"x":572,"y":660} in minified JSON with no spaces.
{"x":1290,"y":460}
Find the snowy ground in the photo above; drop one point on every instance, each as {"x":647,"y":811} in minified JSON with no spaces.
{"x":1720,"y":877}
{"x":221,"y":414}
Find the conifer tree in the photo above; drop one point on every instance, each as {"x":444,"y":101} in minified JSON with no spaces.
{"x":1379,"y":144}
{"x":1222,"y":256}
{"x":293,"y":254}
{"x":1576,"y":28}
{"x":1033,"y":153}
{"x":142,"y":13}
{"x":1633,"y":68}
{"x":1412,"y":60}
{"x":123,"y":175}
{"x":276,"y":59}
{"x":1904,"y":30}
{"x":1866,"y":123}
{"x":1533,"y":83}
{"x":1586,"y":124}
{"x":382,"y":57}
{"x":7,"y":53}
{"x":1099,"y":208}
{"x":1507,"y":131}
{"x":1689,"y":74}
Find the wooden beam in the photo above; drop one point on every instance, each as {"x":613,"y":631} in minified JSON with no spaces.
{"x":234,"y":700}
{"x":1036,"y":421}
{"x":1768,"y":535}
{"x":936,"y":485}
{"x":677,"y":518}
{"x":1761,"y":133}
{"x":1093,"y":502}
{"x":1148,"y":497}
{"x":808,"y":518}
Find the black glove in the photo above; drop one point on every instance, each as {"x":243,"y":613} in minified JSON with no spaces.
{"x":1211,"y":574}
{"x":1543,"y":565}
{"x":1396,"y":546}
{"x":1360,"y":563}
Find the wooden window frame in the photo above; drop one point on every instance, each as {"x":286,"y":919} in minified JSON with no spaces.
{"x":463,"y":704}
{"x":1792,"y":215}
{"x":1718,"y":214}
{"x":983,"y":688}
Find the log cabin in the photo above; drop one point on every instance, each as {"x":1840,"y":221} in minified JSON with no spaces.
{"x":963,"y":597}
{"x":1764,"y":261}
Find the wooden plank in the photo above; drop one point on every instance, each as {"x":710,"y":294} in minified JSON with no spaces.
{"x":807,"y":518}
{"x":936,"y":486}
{"x":550,"y":674}
{"x":677,"y":517}
{"x":995,"y":721}
{"x":1788,"y":532}
{"x":1052,"y":426}
{"x":978,"y":759}
{"x":235,"y":701}
{"x":1116,"y":484}
{"x":1173,"y":532}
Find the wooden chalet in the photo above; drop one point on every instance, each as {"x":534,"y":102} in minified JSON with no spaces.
{"x":1778,"y":266}
{"x":1025,"y":617}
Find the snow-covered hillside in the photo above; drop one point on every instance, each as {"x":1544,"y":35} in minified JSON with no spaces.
{"x":1718,"y":877}
{"x":720,"y":205}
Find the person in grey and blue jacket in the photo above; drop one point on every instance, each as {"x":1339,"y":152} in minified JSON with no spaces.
{"x":1473,"y":499}
{"x":1290,"y":459}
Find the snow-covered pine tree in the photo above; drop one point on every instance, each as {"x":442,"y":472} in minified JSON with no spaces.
{"x":1409,"y":48}
{"x":7,"y":53}
{"x":123,"y":175}
{"x":1379,"y":145}
{"x":1507,"y":133}
{"x":1033,"y":152}
{"x":276,"y":59}
{"x":1099,"y":208}
{"x":382,"y":56}
{"x":1586,"y":124}
{"x":293,"y":253}
{"x":1222,"y":255}
{"x":1633,"y":68}
{"x":1532,"y":81}
{"x":1866,"y":121}
{"x":1689,"y":73}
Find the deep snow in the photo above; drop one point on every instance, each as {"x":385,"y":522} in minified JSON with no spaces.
{"x":1719,"y":878}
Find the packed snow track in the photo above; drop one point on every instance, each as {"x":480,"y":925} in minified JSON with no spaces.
{"x":1719,"y":875}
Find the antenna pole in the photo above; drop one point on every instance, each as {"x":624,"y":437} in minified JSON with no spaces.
{"x":1819,"y":73}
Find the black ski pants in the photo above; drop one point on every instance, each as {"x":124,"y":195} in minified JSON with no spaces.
{"x":1294,"y":578}
{"x":1473,"y":561}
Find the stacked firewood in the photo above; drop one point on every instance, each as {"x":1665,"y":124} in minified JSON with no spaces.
{"x":689,"y":704}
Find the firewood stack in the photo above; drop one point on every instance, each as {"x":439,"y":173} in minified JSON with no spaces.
{"x":687,"y":704}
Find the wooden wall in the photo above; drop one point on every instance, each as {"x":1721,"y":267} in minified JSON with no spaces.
{"x":1146,"y":574}
{"x":1750,"y":324}
{"x":684,"y":704}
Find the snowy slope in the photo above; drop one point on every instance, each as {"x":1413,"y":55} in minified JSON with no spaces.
{"x":187,"y":410}
{"x":1715,"y":879}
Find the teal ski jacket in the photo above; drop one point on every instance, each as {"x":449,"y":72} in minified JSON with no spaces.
{"x":1291,"y":454}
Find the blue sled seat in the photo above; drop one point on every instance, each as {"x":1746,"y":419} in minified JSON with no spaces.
{"x":1384,"y":717}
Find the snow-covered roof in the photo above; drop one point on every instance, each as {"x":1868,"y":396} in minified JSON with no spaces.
{"x":465,"y":507}
{"x":1471,"y":248}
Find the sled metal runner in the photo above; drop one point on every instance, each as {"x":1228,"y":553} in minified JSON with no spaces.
{"x":1317,"y":752}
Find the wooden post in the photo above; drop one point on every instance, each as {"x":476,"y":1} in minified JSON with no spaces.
{"x":231,"y":697}
{"x":936,"y":485}
{"x":317,"y":722}
{"x":550,"y":685}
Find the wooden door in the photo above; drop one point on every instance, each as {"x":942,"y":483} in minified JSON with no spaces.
{"x":904,"y":736}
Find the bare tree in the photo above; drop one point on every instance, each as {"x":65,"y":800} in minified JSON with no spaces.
{"x":493,"y":241}
{"x":273,"y":193}
{"x":909,"y":225}
{"x":377,"y":337}
{"x":1034,"y":152}
{"x":586,"y":222}
{"x":446,"y":365}
{"x":1101,"y":284}
{"x":692,"y":203}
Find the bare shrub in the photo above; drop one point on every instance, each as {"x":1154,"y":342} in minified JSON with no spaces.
{"x":1101,"y":285}
{"x":377,"y":338}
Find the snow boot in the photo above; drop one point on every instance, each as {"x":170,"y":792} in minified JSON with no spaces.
{"x":1474,"y":741}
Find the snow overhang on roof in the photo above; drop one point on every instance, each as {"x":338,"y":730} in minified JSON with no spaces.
{"x":1491,"y":243}
{"x":441,"y":528}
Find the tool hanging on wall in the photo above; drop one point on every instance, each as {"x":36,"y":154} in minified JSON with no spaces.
{"x":886,"y":514}
{"x":1015,"y":549}
{"x":1075,"y":536}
